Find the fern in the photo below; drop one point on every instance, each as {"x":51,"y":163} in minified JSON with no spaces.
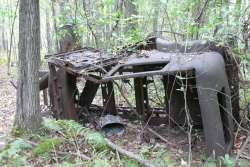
{"x":68,"y":127}
{"x":96,"y":140}
{"x":71,"y":128}
{"x":51,"y":125}
{"x":45,"y":146}
{"x":18,"y":161}
{"x":10,"y":153}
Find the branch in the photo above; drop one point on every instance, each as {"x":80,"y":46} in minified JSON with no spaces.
{"x":197,"y":20}
{"x":128,"y":154}
{"x":13,"y":84}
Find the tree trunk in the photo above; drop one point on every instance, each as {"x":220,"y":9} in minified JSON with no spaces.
{"x":3,"y":35}
{"x":55,"y":25}
{"x":11,"y":37}
{"x":48,"y":33}
{"x":28,"y":108}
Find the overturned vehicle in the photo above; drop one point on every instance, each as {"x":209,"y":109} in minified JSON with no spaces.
{"x":199,"y":82}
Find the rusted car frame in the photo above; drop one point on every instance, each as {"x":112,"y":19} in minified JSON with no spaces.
{"x":210,"y":74}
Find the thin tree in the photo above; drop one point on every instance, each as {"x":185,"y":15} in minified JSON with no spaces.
{"x":28,"y":107}
{"x":48,"y":32}
{"x":11,"y":37}
{"x":156,"y":5}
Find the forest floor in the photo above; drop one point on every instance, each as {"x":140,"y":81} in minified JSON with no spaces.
{"x":7,"y":104}
{"x":173,"y":151}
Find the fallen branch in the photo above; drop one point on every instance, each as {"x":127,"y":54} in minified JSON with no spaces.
{"x":129,"y":154}
{"x":13,"y":84}
{"x":82,"y":156}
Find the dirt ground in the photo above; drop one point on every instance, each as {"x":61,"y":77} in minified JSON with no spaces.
{"x":7,"y":104}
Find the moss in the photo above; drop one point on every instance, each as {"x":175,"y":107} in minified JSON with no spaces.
{"x":17,"y":132}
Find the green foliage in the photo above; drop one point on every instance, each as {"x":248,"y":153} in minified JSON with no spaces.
{"x":130,"y":163}
{"x":17,"y":161}
{"x":51,"y":124}
{"x":71,"y":128}
{"x":68,"y":127}
{"x":10,"y":155}
{"x":66,"y":164}
{"x":17,"y":132}
{"x":223,"y":161}
{"x":227,"y":161}
{"x":46,"y":146}
{"x":145,"y":151}
{"x":210,"y":164}
{"x":96,"y":140}
{"x":163,"y":158}
{"x":3,"y":60}
{"x":101,"y":163}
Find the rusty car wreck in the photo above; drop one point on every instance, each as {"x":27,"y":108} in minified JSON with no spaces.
{"x":209,"y":72}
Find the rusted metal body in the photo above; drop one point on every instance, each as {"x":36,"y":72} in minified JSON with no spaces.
{"x":199,"y":78}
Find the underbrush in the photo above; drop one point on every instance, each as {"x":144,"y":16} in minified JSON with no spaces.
{"x":65,"y":143}
{"x":3,"y":60}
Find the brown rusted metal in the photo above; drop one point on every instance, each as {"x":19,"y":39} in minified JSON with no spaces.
{"x":68,"y":92}
{"x":200,"y":80}
{"x":141,"y":97}
{"x":55,"y":93}
{"x":43,"y":81}
{"x":62,"y":90}
{"x":43,"y":85}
